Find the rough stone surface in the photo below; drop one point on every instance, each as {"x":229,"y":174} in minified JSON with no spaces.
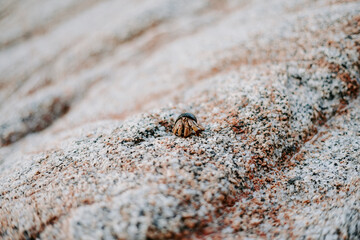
{"x":90,"y":91}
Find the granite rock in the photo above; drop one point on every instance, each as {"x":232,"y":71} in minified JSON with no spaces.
{"x":90,"y":92}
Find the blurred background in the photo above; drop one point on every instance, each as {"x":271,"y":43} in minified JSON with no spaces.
{"x":67,"y":63}
{"x":274,"y":83}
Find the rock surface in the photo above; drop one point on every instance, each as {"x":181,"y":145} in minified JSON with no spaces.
{"x":90,"y":90}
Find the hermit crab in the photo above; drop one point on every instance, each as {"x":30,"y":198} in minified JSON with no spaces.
{"x":184,"y":125}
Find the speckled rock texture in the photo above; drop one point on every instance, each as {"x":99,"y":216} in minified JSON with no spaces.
{"x":90,"y":91}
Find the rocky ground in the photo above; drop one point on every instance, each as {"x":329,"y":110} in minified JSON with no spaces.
{"x":90,"y":91}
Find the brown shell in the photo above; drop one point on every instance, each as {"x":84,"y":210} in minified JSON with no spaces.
{"x":185,"y":124}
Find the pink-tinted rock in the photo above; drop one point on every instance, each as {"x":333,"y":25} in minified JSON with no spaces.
{"x":90,"y":92}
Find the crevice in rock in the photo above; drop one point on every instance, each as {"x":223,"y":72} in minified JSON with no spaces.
{"x":34,"y":120}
